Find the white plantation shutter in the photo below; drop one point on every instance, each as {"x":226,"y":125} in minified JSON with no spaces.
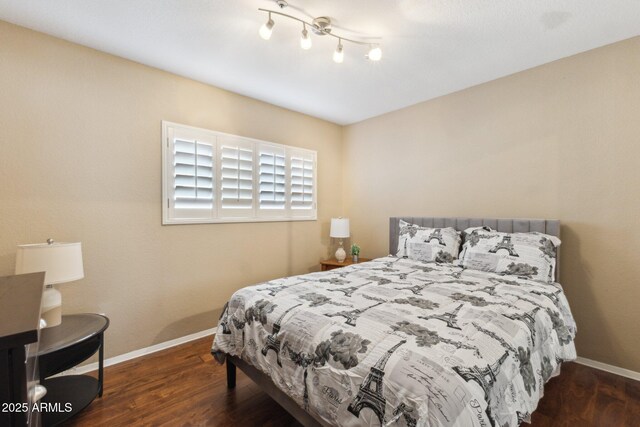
{"x":193,"y":172}
{"x":236,"y":176}
{"x":271,"y":179}
{"x":189,"y":163}
{"x":215,"y":177}
{"x":302,"y":196}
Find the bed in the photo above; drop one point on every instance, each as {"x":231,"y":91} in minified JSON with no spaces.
{"x":402,"y":342}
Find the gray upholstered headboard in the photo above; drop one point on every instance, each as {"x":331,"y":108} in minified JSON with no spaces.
{"x":507,"y":225}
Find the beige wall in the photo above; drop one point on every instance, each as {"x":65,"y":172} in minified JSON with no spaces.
{"x":558,"y":141}
{"x":80,"y":160}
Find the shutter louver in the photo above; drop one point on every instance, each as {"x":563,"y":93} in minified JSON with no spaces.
{"x":236,"y":179}
{"x":302,"y":179}
{"x":193,"y":175}
{"x":272,"y":185}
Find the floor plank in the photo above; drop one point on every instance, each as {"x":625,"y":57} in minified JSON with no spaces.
{"x":184,"y":386}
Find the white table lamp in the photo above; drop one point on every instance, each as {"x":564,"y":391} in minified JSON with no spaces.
{"x":61,"y":262}
{"x":340,"y":230}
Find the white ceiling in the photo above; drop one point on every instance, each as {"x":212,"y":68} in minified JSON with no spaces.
{"x":430,"y":47}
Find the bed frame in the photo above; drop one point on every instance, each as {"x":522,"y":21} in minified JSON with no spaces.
{"x":551,"y":227}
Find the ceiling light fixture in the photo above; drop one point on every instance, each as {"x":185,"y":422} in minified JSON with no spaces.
{"x":305,"y":40}
{"x":321,"y":26}
{"x":375,"y":53}
{"x":338,"y":55}
{"x":267,"y":28}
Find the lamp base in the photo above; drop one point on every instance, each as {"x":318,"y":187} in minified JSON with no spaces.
{"x":341,"y":255}
{"x":51,"y":306}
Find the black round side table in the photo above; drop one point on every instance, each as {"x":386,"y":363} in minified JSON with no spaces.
{"x":62,"y":347}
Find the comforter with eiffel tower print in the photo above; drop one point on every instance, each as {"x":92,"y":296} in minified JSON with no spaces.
{"x":401,"y":342}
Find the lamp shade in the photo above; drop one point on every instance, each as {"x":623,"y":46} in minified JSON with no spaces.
{"x":62,"y":262}
{"x":339,"y":228}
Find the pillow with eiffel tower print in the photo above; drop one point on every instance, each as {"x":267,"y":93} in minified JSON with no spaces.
{"x":527,"y":255}
{"x":428,"y":244}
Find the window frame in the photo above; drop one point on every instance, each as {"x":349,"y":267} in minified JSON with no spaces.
{"x":218,"y":215}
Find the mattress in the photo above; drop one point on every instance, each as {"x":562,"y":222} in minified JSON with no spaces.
{"x":400,"y":342}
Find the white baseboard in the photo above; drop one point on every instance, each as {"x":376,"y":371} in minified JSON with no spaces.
{"x":609,"y":368}
{"x":139,"y":353}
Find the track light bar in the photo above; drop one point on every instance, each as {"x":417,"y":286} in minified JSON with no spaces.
{"x":321,"y":26}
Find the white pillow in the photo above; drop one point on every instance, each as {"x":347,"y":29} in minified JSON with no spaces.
{"x":529,"y":255}
{"x":428,"y":244}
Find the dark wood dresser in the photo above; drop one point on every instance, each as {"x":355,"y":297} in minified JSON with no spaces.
{"x":20,"y":299}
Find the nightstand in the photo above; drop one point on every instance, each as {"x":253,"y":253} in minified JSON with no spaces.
{"x":332,"y":263}
{"x":62,"y":347}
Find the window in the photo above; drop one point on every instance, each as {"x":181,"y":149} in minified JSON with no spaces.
{"x":302,"y":178}
{"x":236,"y":177}
{"x":272,"y":180}
{"x":215,"y":177}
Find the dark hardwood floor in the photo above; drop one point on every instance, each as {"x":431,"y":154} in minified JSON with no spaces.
{"x":184,"y":386}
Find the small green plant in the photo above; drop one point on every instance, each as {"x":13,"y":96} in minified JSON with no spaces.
{"x":355,"y":250}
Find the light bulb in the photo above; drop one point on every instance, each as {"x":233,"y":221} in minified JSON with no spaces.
{"x":267,"y":29}
{"x":338,"y":54}
{"x":305,"y":40}
{"x":375,"y":53}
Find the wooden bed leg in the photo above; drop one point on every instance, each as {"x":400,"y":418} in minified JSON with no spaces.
{"x":231,"y":374}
